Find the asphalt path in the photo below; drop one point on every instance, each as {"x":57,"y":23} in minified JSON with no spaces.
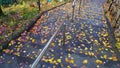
{"x":86,"y":43}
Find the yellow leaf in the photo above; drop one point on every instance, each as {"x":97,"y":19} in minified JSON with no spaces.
{"x":59,"y":60}
{"x":105,"y":34}
{"x":91,"y":48}
{"x":69,"y":55}
{"x":69,"y":37}
{"x":52,"y":55}
{"x":33,"y":40}
{"x":118,"y":45}
{"x":18,"y":49}
{"x":91,"y":53}
{"x":96,"y":41}
{"x":43,"y":41}
{"x":51,"y":60}
{"x":100,"y":49}
{"x":72,"y":61}
{"x":59,"y":40}
{"x":83,"y":34}
{"x":105,"y":56}
{"x":98,"y":62}
{"x":55,"y":62}
{"x":86,"y":48}
{"x":68,"y":67}
{"x":69,"y":49}
{"x":46,"y":60}
{"x":85,"y":61}
{"x":53,"y":44}
{"x":17,"y":53}
{"x":75,"y":48}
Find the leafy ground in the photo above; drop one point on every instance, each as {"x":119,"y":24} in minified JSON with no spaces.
{"x":18,"y":16}
{"x":87,"y":42}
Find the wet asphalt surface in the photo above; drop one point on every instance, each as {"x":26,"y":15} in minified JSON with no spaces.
{"x":87,"y":42}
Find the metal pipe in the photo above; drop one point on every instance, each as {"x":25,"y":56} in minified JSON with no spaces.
{"x":73,"y":6}
{"x":45,"y":48}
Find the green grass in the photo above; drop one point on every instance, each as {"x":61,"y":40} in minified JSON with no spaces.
{"x":15,"y":15}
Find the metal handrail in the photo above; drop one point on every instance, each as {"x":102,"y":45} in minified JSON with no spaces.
{"x":45,"y":48}
{"x":48,"y":44}
{"x":73,"y":8}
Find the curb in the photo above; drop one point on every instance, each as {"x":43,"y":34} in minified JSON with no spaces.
{"x":5,"y":44}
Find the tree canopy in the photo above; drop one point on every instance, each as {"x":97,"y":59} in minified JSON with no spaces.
{"x":5,"y":2}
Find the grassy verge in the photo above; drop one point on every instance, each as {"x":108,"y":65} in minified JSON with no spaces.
{"x":18,"y":16}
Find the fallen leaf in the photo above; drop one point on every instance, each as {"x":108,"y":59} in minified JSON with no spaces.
{"x":59,"y":60}
{"x":98,"y":62}
{"x":85,"y":61}
{"x":33,"y":40}
{"x":105,"y":56}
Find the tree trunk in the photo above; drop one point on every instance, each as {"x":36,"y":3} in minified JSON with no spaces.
{"x":1,"y":12}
